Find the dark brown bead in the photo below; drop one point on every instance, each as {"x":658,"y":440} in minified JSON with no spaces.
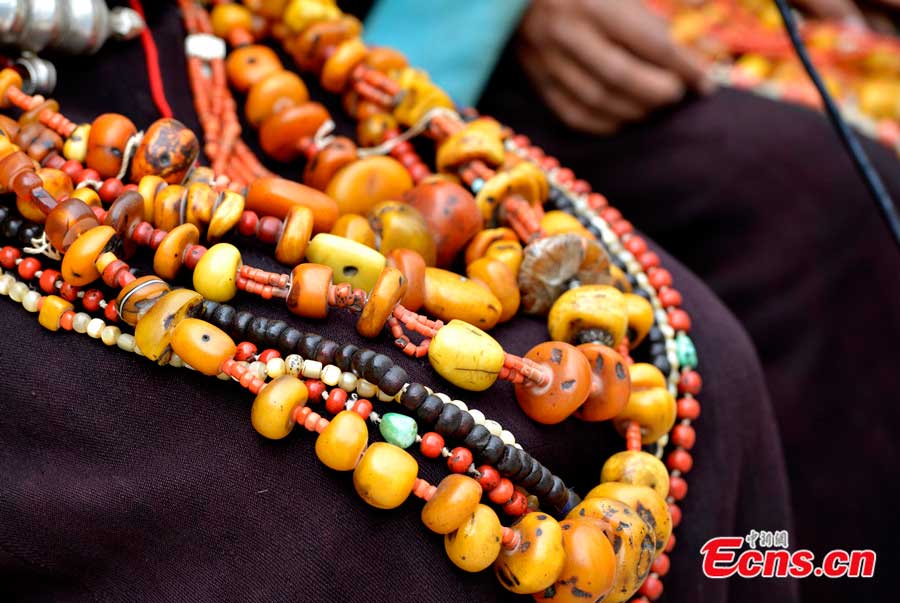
{"x":67,"y":221}
{"x":168,"y":150}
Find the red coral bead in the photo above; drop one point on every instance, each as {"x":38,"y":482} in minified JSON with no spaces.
{"x":690,"y":383}
{"x":247,"y":223}
{"x":268,"y":354}
{"x":72,"y":168}
{"x":460,"y":460}
{"x":69,"y":292}
{"x":315,"y":389}
{"x":611,"y":214}
{"x":669,"y":297}
{"x":652,"y":588}
{"x":48,"y":280}
{"x":597,"y":201}
{"x":87,"y":174}
{"x":679,"y":319}
{"x":503,"y":492}
{"x":688,"y":408}
{"x":110,"y":190}
{"x":649,"y":259}
{"x":677,"y":487}
{"x":659,"y":277}
{"x":91,"y":300}
{"x":636,"y":245}
{"x":622,"y":227}
{"x":518,"y":505}
{"x":28,"y":268}
{"x":337,"y":398}
{"x":684,"y":436}
{"x":680,"y":460}
{"x":362,"y":407}
{"x":582,"y":187}
{"x":244,"y":350}
{"x":8,"y":256}
{"x":111,"y":313}
{"x":671,"y":544}
{"x":432,"y":444}
{"x":489,"y":478}
{"x":675,"y":514}
{"x":661,"y":565}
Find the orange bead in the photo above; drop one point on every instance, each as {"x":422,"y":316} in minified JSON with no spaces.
{"x":384,"y":297}
{"x":295,"y":235}
{"x":590,"y":567}
{"x":138,"y":296}
{"x":78,"y":264}
{"x":227,"y":17}
{"x":451,"y":213}
{"x":412,"y":265}
{"x":169,"y":255}
{"x":276,"y":196}
{"x":167,"y":207}
{"x":273,"y":94}
{"x":480,"y":243}
{"x":308,"y":295}
{"x":338,"y":66}
{"x":610,"y":383}
{"x":106,"y":143}
{"x":451,"y":505}
{"x":500,"y":280}
{"x":168,"y":150}
{"x":67,"y":221}
{"x":356,"y":228}
{"x":568,"y":387}
{"x":309,"y":48}
{"x":324,"y":164}
{"x":279,"y":134}
{"x":249,"y":64}
{"x":385,"y":60}
{"x":202,"y":346}
{"x":358,"y":186}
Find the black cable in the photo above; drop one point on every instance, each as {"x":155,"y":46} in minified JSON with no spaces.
{"x":851,"y":142}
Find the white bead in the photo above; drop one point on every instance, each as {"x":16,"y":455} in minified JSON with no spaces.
{"x":494,"y":427}
{"x":667,"y":330}
{"x":517,"y":445}
{"x":365,"y":389}
{"x":31,"y":301}
{"x":507,"y":437}
{"x":444,"y":397}
{"x":126,"y":342}
{"x":294,"y":364}
{"x":177,"y":362}
{"x":80,"y":322}
{"x":95,"y":328}
{"x":477,"y":415}
{"x":18,"y":291}
{"x":331,"y":375}
{"x":348,"y":382}
{"x":223,"y":376}
{"x":6,"y":282}
{"x":137,"y":350}
{"x":275,"y":367}
{"x":110,"y":334}
{"x":258,"y":368}
{"x":384,"y":397}
{"x":312,"y":369}
{"x":459,"y":404}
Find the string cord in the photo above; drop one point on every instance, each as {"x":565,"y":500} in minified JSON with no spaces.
{"x":151,"y":56}
{"x":860,"y":159}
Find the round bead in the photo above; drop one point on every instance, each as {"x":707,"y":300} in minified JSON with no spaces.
{"x":460,"y":460}
{"x":341,"y":443}
{"x":272,"y":413}
{"x":600,"y":307}
{"x":432,"y":444}
{"x":78,"y":264}
{"x":590,"y":567}
{"x":215,"y":276}
{"x":358,"y":186}
{"x":610,"y":383}
{"x":274,"y":93}
{"x":650,"y":403}
{"x":385,"y":475}
{"x":108,"y":136}
{"x":503,"y":492}
{"x":568,"y":388}
{"x":308,"y":295}
{"x":400,"y":226}
{"x":452,"y":216}
{"x":52,"y":310}
{"x":489,"y":477}
{"x":168,"y":150}
{"x":466,"y":356}
{"x":645,"y":501}
{"x":202,"y":346}
{"x":169,"y":256}
{"x":279,"y":133}
{"x":454,"y":501}
{"x":138,"y":296}
{"x":249,"y":64}
{"x":539,"y":558}
{"x":476,"y":543}
{"x":638,"y":468}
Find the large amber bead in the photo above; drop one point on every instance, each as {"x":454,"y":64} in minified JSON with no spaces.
{"x":276,"y":196}
{"x":650,"y":404}
{"x":106,"y":143}
{"x":385,"y":475}
{"x":279,"y":133}
{"x":68,"y":221}
{"x":272,"y":413}
{"x":480,"y":139}
{"x":645,"y":501}
{"x":385,"y":295}
{"x":590,"y":568}
{"x":640,"y":318}
{"x":454,"y":501}
{"x":537,"y":561}
{"x":359,"y":186}
{"x":632,"y":539}
{"x":203,"y":346}
{"x":249,"y":64}
{"x":481,"y":242}
{"x":638,"y":468}
{"x":568,"y":388}
{"x":274,"y":93}
{"x":412,"y":265}
{"x":341,"y":443}
{"x":153,"y":332}
{"x":560,"y":222}
{"x":78,"y":264}
{"x":298,"y":227}
{"x":215,"y":275}
{"x":593,"y":311}
{"x":168,"y":150}
{"x":610,"y":383}
{"x":399,"y":225}
{"x":138,"y":296}
{"x":308,"y":295}
{"x":500,"y":280}
{"x":169,"y":255}
{"x":449,"y":295}
{"x":356,"y":228}
{"x":466,"y":356}
{"x":322,"y":166}
{"x":451,"y":215}
{"x":474,"y":546}
{"x":225,"y":216}
{"x":351,"y":262}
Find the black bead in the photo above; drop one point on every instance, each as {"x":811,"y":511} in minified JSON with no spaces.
{"x":393,"y":380}
{"x":448,"y":420}
{"x":534,"y":475}
{"x":221,"y":315}
{"x":327,"y":350}
{"x":658,"y":348}
{"x":308,"y":344}
{"x":662,"y":363}
{"x":376,"y":367}
{"x":205,"y":309}
{"x":477,"y":438}
{"x":241,"y":324}
{"x":527,"y":465}
{"x":492,"y":451}
{"x":4,"y":213}
{"x":642,"y":292}
{"x":29,"y":231}
{"x":344,"y":357}
{"x":273,"y":331}
{"x":359,"y":361}
{"x":542,"y":487}
{"x":466,"y":424}
{"x":559,"y":494}
{"x":509,"y":463}
{"x":11,"y":228}
{"x":574,"y":501}
{"x":430,"y":409}
{"x":414,"y":396}
{"x":655,"y":333}
{"x":288,"y":340}
{"x":256,"y":331}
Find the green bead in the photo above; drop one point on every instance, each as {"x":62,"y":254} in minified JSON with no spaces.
{"x":399,"y":430}
{"x":687,"y":353}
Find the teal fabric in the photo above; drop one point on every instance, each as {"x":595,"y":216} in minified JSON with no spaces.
{"x":458,"y":42}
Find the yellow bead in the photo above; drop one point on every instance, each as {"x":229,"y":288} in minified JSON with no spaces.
{"x":539,"y":558}
{"x":299,"y":14}
{"x":202,"y":346}
{"x":225,"y":216}
{"x":480,"y":139}
{"x":226,"y":17}
{"x":640,"y":318}
{"x":149,"y":187}
{"x":599,"y":307}
{"x":401,"y":226}
{"x":360,"y":185}
{"x":650,"y":403}
{"x":341,"y":443}
{"x":298,"y":227}
{"x":385,"y":475}
{"x":638,"y":468}
{"x":449,"y":295}
{"x":88,"y":195}
{"x":153,"y":331}
{"x":215,"y":276}
{"x":272,"y":413}
{"x":645,"y":501}
{"x":560,"y":222}
{"x":351,"y":262}
{"x":52,"y":310}
{"x":78,"y":264}
{"x":356,"y":228}
{"x":508,"y":252}
{"x":466,"y":356}
{"x":75,"y":146}
{"x":497,"y":277}
{"x":454,"y":501}
{"x":476,"y":544}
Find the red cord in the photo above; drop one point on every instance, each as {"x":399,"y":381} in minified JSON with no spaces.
{"x":151,"y":53}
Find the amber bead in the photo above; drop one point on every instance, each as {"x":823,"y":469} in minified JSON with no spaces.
{"x":412,"y":265}
{"x":106,"y":144}
{"x":418,"y":96}
{"x":342,"y":442}
{"x":359,"y":186}
{"x":385,"y":475}
{"x":249,"y":64}
{"x":75,"y":146}
{"x":272,"y":413}
{"x":299,"y":15}
{"x":9,"y":77}
{"x":483,"y":240}
{"x":52,"y":309}
{"x":168,"y":150}
{"x":454,"y":501}
{"x":327,"y":161}
{"x":399,"y":225}
{"x":590,"y":567}
{"x":38,"y":141}
{"x":537,"y":561}
{"x":650,"y":403}
{"x":78,"y":264}
{"x":12,"y":165}
{"x":645,"y":501}
{"x":352,"y":262}
{"x":560,"y":222}
{"x":507,"y":252}
{"x":295,"y":234}
{"x":638,"y":468}
{"x":337,"y":67}
{"x":168,"y":205}
{"x":215,"y":275}
{"x":149,"y":187}
{"x":308,"y":295}
{"x":309,"y":49}
{"x":67,"y":222}
{"x":138,"y":296}
{"x":25,"y":184}
{"x":610,"y":383}
{"x":449,"y":295}
{"x":226,"y":215}
{"x":280,"y":132}
{"x":275,"y":196}
{"x":88,"y":195}
{"x":598,"y":308}
{"x":274,"y":93}
{"x":480,"y":139}
{"x":227,"y":17}
{"x":568,"y":388}
{"x":466,"y":356}
{"x":356,"y":228}
{"x":384,"y":297}
{"x":202,"y":346}
{"x":474,"y":546}
{"x":385,"y":59}
{"x":199,"y":203}
{"x":56,"y":182}
{"x":8,"y":126}
{"x":372,"y":130}
{"x":153,"y":331}
{"x":451,"y":215}
{"x":169,"y":256}
{"x":640,"y":318}
{"x":500,"y":280}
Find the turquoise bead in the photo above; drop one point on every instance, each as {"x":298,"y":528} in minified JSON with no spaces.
{"x":687,"y":353}
{"x":399,"y":430}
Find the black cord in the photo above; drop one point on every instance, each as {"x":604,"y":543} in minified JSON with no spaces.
{"x":851,"y":142}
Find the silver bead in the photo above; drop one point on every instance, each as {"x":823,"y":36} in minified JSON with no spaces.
{"x":38,"y":75}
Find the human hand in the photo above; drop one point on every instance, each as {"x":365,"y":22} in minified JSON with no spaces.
{"x":600,"y":64}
